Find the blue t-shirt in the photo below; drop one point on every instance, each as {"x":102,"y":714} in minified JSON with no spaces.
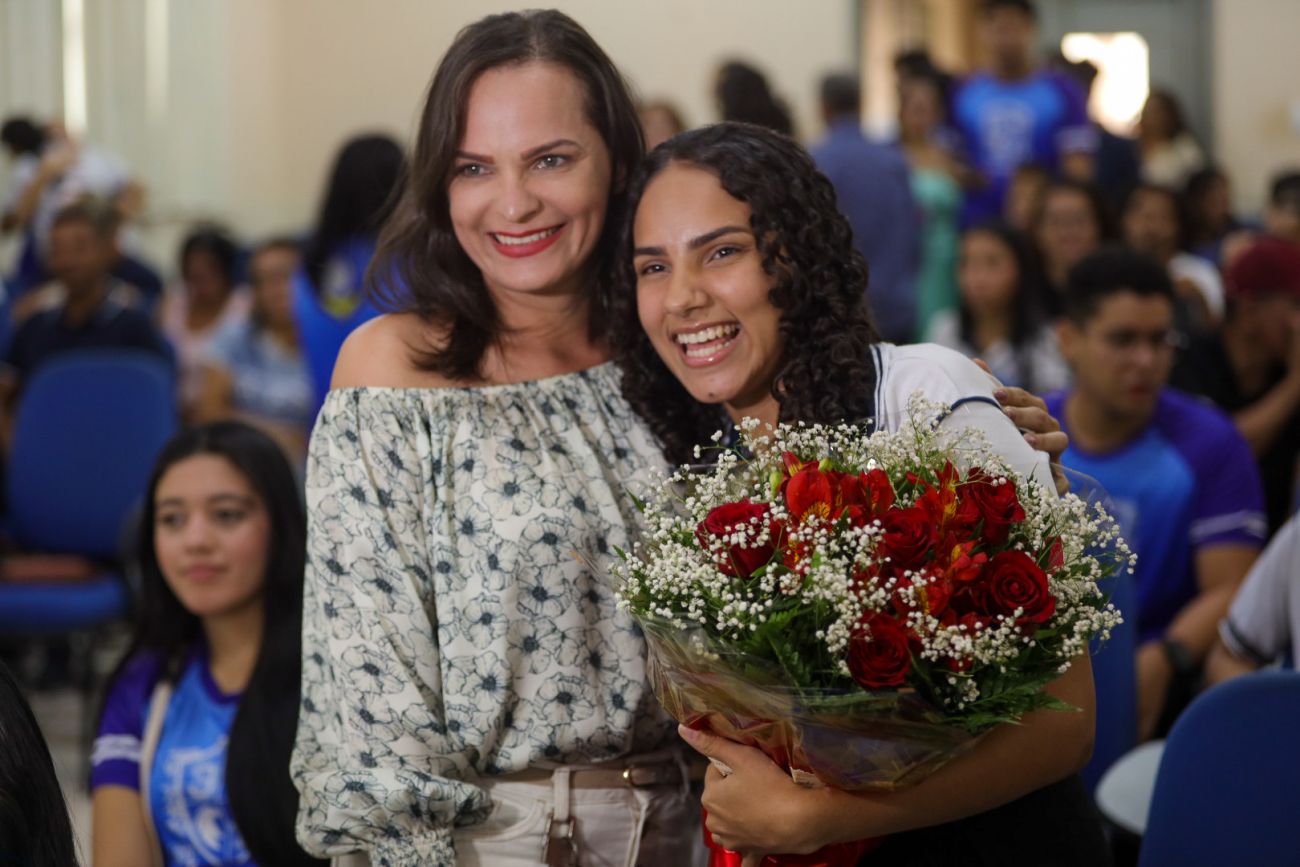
{"x":321,"y":330}
{"x":268,"y":379}
{"x":1005,"y":124}
{"x":1186,"y":482}
{"x":187,"y":782}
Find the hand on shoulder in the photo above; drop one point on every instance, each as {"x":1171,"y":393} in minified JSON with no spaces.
{"x":381,"y":353}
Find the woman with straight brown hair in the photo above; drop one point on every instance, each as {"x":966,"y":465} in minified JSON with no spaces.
{"x":471,"y":692}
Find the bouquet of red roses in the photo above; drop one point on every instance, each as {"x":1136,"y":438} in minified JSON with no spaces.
{"x":862,"y":608}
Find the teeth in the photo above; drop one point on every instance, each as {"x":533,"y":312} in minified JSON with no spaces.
{"x":525,"y":239}
{"x":708,"y":335}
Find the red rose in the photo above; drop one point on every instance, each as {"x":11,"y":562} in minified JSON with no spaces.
{"x":909,"y":538}
{"x":997,"y":505}
{"x":1014,"y":581}
{"x":879,"y":656}
{"x":717,"y":534}
{"x":935,"y":594}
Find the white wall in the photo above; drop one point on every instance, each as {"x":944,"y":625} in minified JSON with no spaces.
{"x":1256,"y":89}
{"x":260,"y":94}
{"x":256,"y":95}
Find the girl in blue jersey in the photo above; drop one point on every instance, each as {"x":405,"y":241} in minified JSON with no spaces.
{"x":190,"y":765}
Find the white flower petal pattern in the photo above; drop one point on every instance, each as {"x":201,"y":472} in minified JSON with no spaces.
{"x":454,"y":626}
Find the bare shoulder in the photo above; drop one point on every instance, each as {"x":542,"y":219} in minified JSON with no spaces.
{"x":382,"y":353}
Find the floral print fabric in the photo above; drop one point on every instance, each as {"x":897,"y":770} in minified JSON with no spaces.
{"x":457,"y":624}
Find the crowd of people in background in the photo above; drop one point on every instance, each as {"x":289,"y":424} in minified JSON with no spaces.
{"x":1108,"y":273}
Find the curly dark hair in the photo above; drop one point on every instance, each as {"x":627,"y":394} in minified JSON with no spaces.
{"x":827,"y":374}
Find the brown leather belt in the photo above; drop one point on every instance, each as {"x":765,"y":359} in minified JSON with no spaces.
{"x":632,"y":775}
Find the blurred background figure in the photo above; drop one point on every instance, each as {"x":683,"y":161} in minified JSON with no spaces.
{"x":34,"y":826}
{"x":1025,"y":196}
{"x":328,"y":293}
{"x":660,"y":121}
{"x":1180,"y":477}
{"x":253,"y":370}
{"x":89,"y":309}
{"x":207,"y":299}
{"x":1208,"y":195}
{"x":1071,"y":221}
{"x":1154,"y":222}
{"x":1000,"y":318}
{"x":51,"y":171}
{"x":937,"y":174}
{"x":1115,"y":166}
{"x":1170,"y":153}
{"x":875,"y":194}
{"x":1251,"y":367}
{"x":1263,"y":626}
{"x":743,"y":94}
{"x":1282,"y":216}
{"x":1013,"y":112}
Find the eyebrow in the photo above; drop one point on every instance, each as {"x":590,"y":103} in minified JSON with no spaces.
{"x":212,"y":500}
{"x":695,"y":243}
{"x":528,"y":154}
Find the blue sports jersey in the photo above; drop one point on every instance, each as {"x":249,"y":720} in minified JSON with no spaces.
{"x":320,"y":333}
{"x":1005,"y":124}
{"x":187,"y":782}
{"x":1187,"y":481}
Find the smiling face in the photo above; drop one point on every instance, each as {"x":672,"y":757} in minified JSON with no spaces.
{"x":531,"y":181}
{"x":211,"y":535}
{"x":702,"y":294}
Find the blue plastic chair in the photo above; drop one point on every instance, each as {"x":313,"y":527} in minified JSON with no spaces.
{"x":1226,"y":789}
{"x":1115,"y":677}
{"x":88,"y":429}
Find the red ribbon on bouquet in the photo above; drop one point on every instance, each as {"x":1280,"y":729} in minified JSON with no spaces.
{"x":834,"y":855}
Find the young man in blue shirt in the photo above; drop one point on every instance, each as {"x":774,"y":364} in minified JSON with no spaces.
{"x":1181,"y":478}
{"x":1015,"y":113}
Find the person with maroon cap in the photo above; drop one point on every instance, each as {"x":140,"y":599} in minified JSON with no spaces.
{"x":1251,"y":369}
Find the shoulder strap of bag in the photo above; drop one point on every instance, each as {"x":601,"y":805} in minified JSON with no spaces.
{"x":153,"y":725}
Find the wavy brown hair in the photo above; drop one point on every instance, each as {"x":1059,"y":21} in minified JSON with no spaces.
{"x":419,"y":266}
{"x":827,"y":374}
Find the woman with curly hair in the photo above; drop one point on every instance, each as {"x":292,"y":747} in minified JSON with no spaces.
{"x":743,"y":297}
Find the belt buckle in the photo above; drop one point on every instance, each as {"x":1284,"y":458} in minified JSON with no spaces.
{"x":658,"y":771}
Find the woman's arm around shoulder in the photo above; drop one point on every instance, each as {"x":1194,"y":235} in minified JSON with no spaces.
{"x":950,"y":378}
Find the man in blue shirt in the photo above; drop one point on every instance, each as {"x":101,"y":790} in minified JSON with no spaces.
{"x":1182,"y":480}
{"x":1014,"y":113}
{"x":874,"y":193}
{"x":94,"y":313}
